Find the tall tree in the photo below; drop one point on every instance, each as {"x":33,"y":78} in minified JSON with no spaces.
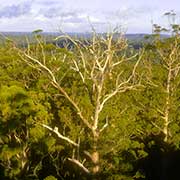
{"x":162,"y":90}
{"x":89,"y":77}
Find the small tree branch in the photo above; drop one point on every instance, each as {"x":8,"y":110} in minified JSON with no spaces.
{"x":78,"y":70}
{"x":105,"y":125}
{"x":42,"y":66}
{"x":157,"y":126}
{"x":79,"y":164}
{"x":55,"y":130}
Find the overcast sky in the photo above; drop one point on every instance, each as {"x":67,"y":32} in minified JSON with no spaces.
{"x":133,"y":16}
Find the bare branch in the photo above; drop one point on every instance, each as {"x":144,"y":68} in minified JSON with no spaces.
{"x":88,"y":154}
{"x":157,"y":126}
{"x":42,"y":66}
{"x":135,"y":66}
{"x":77,"y":69}
{"x":55,"y":130}
{"x":105,"y":125}
{"x":160,"y":111}
{"x":79,"y":112}
{"x":79,"y":164}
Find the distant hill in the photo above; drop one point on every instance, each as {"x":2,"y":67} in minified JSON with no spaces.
{"x":138,"y":36}
{"x":135,"y":40}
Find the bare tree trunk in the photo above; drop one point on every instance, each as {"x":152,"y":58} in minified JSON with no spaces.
{"x":95,"y":155}
{"x":95,"y":160}
{"x":167,"y":106}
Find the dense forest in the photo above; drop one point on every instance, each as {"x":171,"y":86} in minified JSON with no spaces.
{"x":90,"y":109}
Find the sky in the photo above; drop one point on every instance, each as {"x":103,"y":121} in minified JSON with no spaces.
{"x":131,"y":16}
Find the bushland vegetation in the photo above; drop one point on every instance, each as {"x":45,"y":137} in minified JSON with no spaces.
{"x":91,"y":109}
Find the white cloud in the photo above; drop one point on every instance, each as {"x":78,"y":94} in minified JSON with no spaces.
{"x":72,"y":15}
{"x":15,"y":10}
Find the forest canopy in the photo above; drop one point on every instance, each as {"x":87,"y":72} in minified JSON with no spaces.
{"x":94,"y":108}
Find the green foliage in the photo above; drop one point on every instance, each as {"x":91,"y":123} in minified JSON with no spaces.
{"x":50,"y":178}
{"x":28,"y":100}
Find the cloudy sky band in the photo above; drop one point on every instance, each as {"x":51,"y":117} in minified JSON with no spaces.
{"x":74,"y":15}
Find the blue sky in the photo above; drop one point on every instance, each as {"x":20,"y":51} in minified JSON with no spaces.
{"x":132,"y":16}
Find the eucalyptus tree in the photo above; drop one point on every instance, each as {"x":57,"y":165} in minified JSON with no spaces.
{"x":87,"y":79}
{"x":162,"y":64}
